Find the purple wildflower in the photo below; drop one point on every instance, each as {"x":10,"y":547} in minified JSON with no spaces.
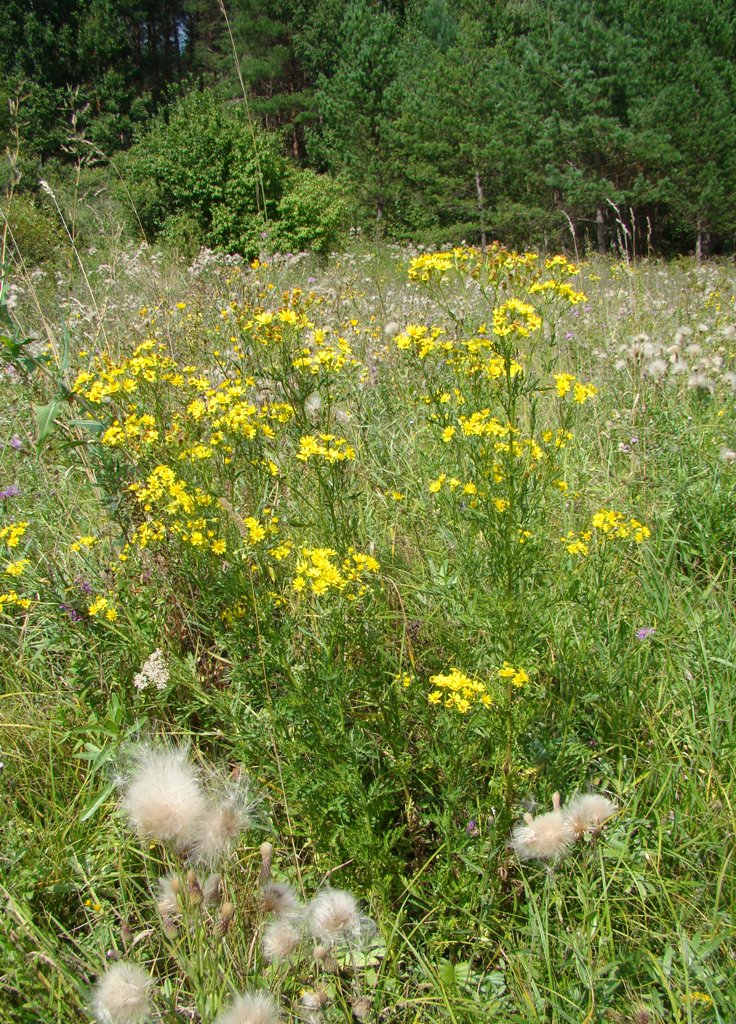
{"x":10,"y":492}
{"x":84,"y":585}
{"x":472,"y":828}
{"x":16,"y":443}
{"x":71,"y":612}
{"x":645,"y":632}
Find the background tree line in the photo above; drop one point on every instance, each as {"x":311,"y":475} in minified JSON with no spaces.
{"x":604,"y":121}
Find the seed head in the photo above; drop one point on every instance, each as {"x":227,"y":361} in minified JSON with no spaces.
{"x":333,"y":915}
{"x":121,"y":995}
{"x":542,"y":838}
{"x":588,"y":813}
{"x":280,"y":940}
{"x":251,"y":1008}
{"x":163,"y":799}
{"x":280,"y":899}
{"x":220,"y":826}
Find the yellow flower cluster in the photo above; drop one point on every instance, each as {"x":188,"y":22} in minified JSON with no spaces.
{"x":12,"y":533}
{"x":434,"y":265}
{"x":457,"y":691}
{"x":515,"y":317}
{"x":609,"y":525}
{"x":453,"y":484}
{"x":147,"y":364}
{"x":324,"y":446}
{"x":561,"y":288}
{"x":82,"y":542}
{"x":423,"y":340}
{"x":322,"y":356}
{"x":179,"y":503}
{"x":616,"y":526}
{"x":102,"y":605}
{"x":16,"y":568}
{"x":13,"y":600}
{"x":564,"y":382}
{"x":516,"y":676}
{"x":578,"y":543}
{"x":319,"y":570}
{"x":133,"y":430}
{"x":498,"y":264}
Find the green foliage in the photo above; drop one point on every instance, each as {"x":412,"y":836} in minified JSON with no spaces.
{"x":34,"y":230}
{"x":206,"y":174}
{"x":311,"y":214}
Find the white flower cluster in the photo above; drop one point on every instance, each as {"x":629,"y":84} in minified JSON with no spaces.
{"x":154,"y":672}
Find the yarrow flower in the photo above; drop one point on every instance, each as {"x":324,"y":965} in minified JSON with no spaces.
{"x":154,"y":672}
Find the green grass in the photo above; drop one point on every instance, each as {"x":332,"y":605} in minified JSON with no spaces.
{"x":363,"y":780}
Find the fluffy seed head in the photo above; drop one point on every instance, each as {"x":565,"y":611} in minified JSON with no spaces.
{"x":334,"y":915}
{"x":280,"y":899}
{"x":588,"y":813}
{"x":163,"y":799}
{"x":169,"y":888}
{"x":121,"y":995}
{"x":280,"y":940}
{"x":542,"y":838}
{"x":212,"y":890}
{"x":251,"y":1008}
{"x":226,"y":817}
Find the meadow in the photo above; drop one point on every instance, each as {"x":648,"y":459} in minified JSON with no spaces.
{"x":415,"y":570}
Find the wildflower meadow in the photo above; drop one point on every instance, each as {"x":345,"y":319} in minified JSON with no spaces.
{"x":368,"y":638}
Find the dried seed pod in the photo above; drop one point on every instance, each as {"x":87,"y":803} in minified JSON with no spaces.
{"x":266,"y":861}
{"x":212,"y":890}
{"x":194,"y":889}
{"x":224,"y":920}
{"x":361,"y":1008}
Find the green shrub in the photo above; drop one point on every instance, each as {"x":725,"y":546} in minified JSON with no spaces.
{"x":37,"y":235}
{"x":229,"y":182}
{"x":311,"y":214}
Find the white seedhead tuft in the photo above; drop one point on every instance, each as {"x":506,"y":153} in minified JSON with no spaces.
{"x":163,"y":798}
{"x":121,"y":995}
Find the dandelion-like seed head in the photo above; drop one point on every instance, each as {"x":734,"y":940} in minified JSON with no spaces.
{"x":279,"y":898}
{"x":221,"y":824}
{"x":588,"y":813}
{"x":333,"y":915}
{"x":250,"y":1008}
{"x":121,"y":995}
{"x":543,"y":838}
{"x":163,"y":798}
{"x":280,"y":940}
{"x":169,"y":888}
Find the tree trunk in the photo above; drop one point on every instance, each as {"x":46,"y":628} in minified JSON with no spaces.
{"x":699,"y":242}
{"x":600,"y":224}
{"x":481,"y":211}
